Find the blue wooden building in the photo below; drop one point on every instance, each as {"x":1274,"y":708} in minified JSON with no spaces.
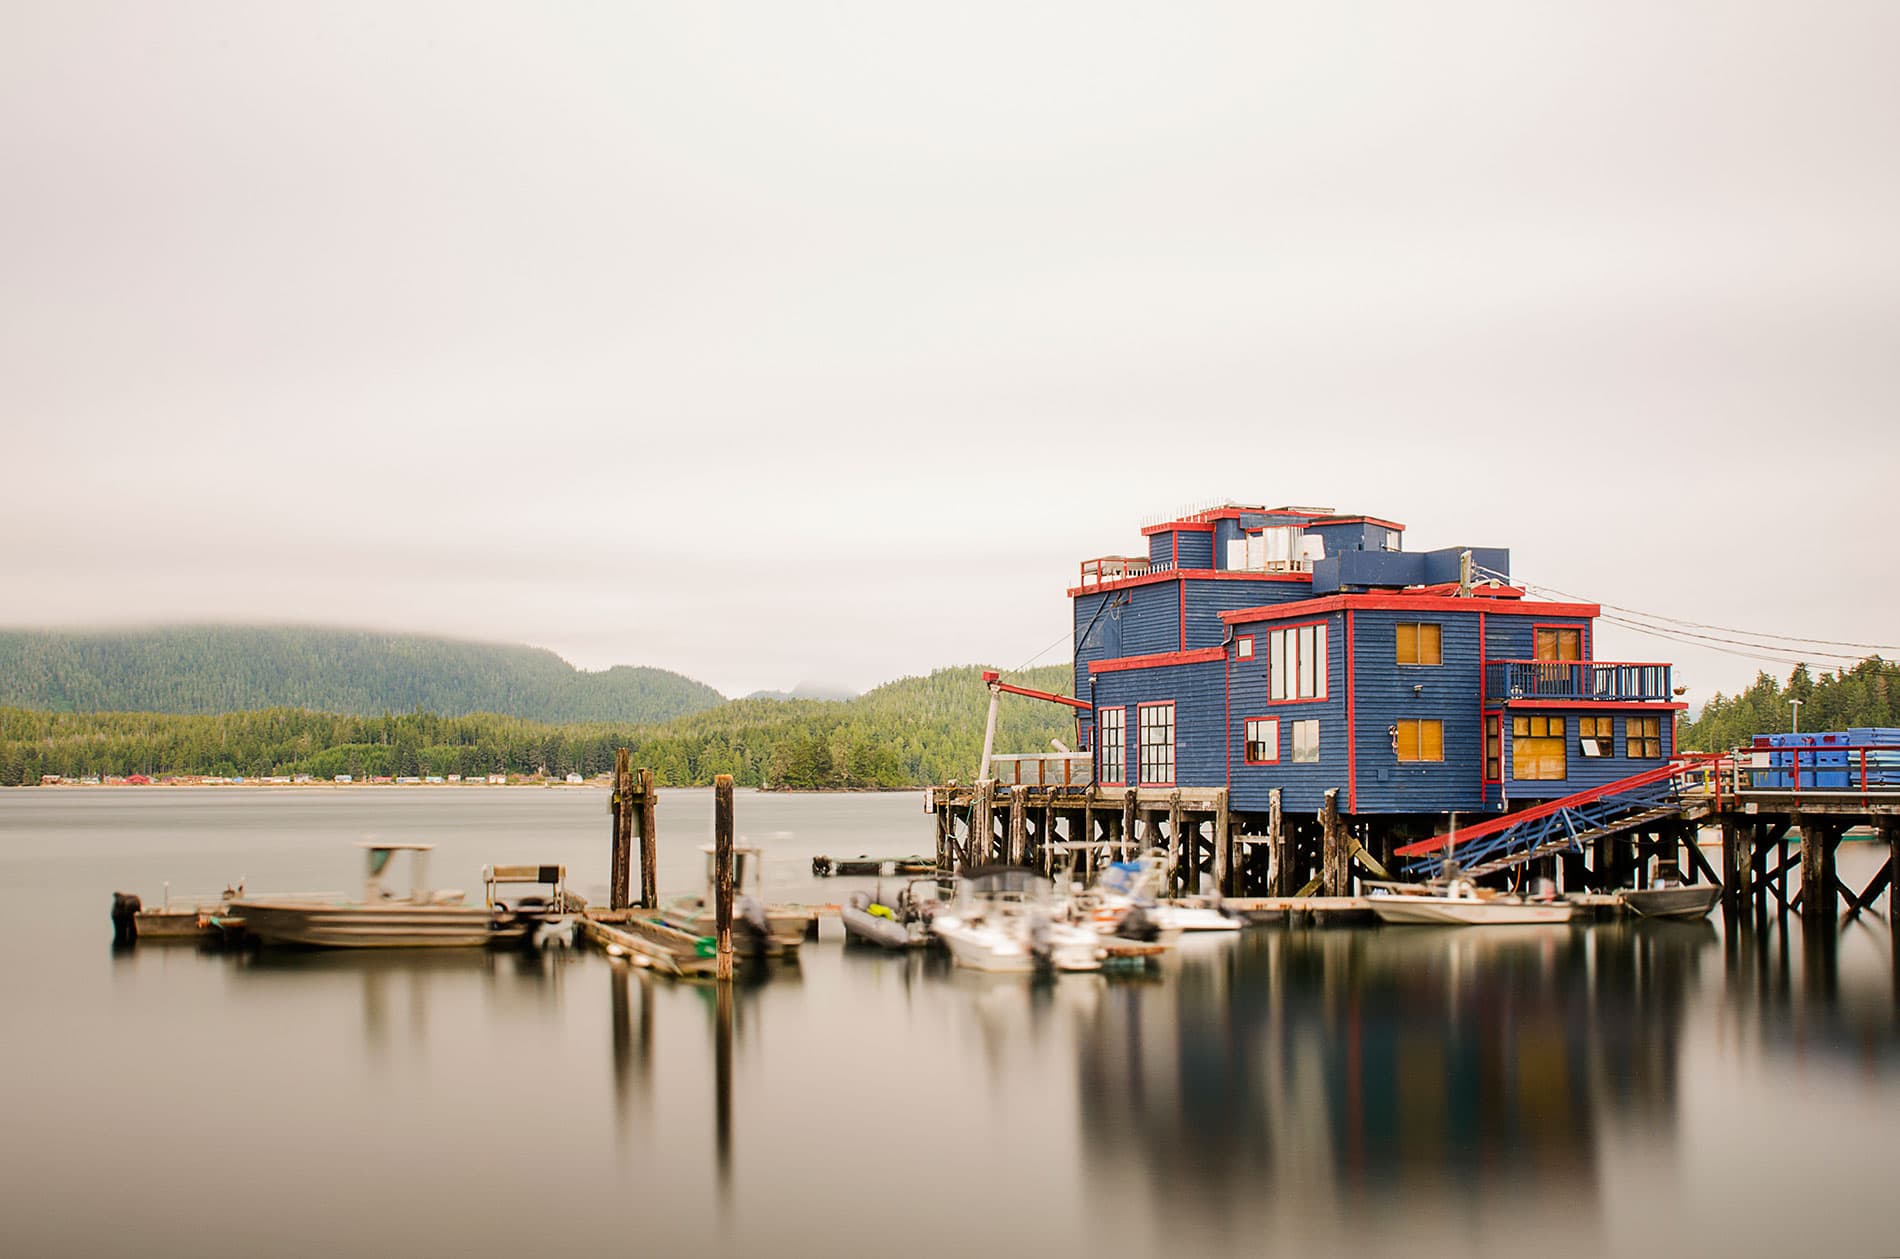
{"x":1305,"y":650}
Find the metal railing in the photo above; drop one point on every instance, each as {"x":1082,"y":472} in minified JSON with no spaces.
{"x":1575,"y":679}
{"x":1043,"y":769}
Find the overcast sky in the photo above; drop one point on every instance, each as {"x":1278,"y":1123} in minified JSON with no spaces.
{"x":820,"y":341}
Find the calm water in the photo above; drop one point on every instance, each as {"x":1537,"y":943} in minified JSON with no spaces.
{"x":1613,"y":1089}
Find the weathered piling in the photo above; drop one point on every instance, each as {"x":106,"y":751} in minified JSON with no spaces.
{"x":646,"y":822}
{"x":620,"y":880}
{"x":722,"y":874}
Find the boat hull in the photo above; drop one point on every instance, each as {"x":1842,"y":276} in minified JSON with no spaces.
{"x":1444,"y":912}
{"x":1673,"y":902}
{"x":872,"y":929}
{"x":373,"y":926}
{"x":985,"y":948}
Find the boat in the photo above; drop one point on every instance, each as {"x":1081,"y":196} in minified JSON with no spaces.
{"x":1005,"y":920}
{"x":1461,"y":903}
{"x":1670,"y":897}
{"x":192,"y":918}
{"x":1124,"y":903}
{"x":424,"y":918}
{"x":875,"y":867}
{"x":900,"y":922}
{"x":758,"y":929}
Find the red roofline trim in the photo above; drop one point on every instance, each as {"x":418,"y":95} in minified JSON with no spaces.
{"x":1405,"y":603}
{"x":1177,"y":526}
{"x":1161,"y":660}
{"x":1191,"y":574}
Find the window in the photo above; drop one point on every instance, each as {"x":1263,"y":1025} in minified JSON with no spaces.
{"x":1645,"y":738}
{"x":1538,"y":750}
{"x":1262,"y":740}
{"x":1419,"y":740}
{"x":1243,"y":647}
{"x":1157,"y":744}
{"x":1114,"y":744}
{"x":1306,"y":743}
{"x":1420,"y":643}
{"x":1558,"y":644}
{"x":1494,"y":749}
{"x":1296,"y":663}
{"x":1598,"y":735}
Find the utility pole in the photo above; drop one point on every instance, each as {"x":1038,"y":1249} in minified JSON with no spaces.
{"x":1796,"y":705}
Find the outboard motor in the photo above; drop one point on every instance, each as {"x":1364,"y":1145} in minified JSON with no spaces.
{"x":125,"y":927}
{"x":1138,"y":925}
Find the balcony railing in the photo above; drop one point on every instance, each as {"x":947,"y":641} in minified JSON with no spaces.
{"x":1043,"y":769}
{"x":1575,"y":679}
{"x":1116,"y":567}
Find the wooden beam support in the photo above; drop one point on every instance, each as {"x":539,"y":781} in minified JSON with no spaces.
{"x":722,"y":874}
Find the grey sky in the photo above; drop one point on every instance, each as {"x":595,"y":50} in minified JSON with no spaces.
{"x":754,"y":342}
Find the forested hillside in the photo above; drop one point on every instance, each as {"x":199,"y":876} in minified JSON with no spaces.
{"x":228,"y":669}
{"x":1866,"y":695}
{"x":905,"y":734}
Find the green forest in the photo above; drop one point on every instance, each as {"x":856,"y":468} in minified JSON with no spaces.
{"x":228,"y":669}
{"x":905,"y":734}
{"x":1866,"y":695}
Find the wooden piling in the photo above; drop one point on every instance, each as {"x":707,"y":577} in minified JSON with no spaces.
{"x":1177,"y":870}
{"x":722,"y":873}
{"x":980,"y":850}
{"x":1223,"y":847}
{"x":1018,"y":824}
{"x":1335,"y":877}
{"x":1817,"y":871}
{"x":1890,"y":832}
{"x":647,"y":823}
{"x":1278,"y":845}
{"x":621,"y":807}
{"x":1131,"y":822}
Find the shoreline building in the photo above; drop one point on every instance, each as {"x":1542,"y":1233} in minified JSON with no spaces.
{"x":1307,"y":651}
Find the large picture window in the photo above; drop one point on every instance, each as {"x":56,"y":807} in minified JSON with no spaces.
{"x":1420,"y":740}
{"x":1262,"y":740}
{"x":1296,"y":663}
{"x":1306,"y":743}
{"x":1554,"y":643}
{"x":1113,"y":741}
{"x":1156,"y":725}
{"x":1644,"y":735}
{"x":1420,"y":642}
{"x":1538,"y":750}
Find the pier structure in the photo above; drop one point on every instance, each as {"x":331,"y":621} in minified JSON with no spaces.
{"x":1287,"y":703}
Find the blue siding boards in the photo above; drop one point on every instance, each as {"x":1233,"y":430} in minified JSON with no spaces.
{"x":1198,"y":698}
{"x":1197,"y":550}
{"x":1515,"y":637}
{"x":1151,"y":622}
{"x":1207,"y":599}
{"x":1161,"y":548}
{"x":1098,"y":632}
{"x":1302,"y":787}
{"x":1387,"y":692}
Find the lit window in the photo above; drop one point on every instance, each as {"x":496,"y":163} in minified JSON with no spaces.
{"x":1306,"y":743}
{"x":1296,"y":663}
{"x":1538,"y":750}
{"x":1262,"y":740}
{"x":1559,"y":644}
{"x":1243,"y":648}
{"x":1420,"y":643}
{"x":1420,"y":740}
{"x":1644,"y":735}
{"x":1597,"y":735}
{"x":1114,"y":744}
{"x":1156,"y":727}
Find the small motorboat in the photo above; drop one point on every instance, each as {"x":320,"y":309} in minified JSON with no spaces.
{"x":1670,"y":897}
{"x":1462,"y":903}
{"x":758,"y":929}
{"x":1005,"y":919}
{"x":899,"y":923}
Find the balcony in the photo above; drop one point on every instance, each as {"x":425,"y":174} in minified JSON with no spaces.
{"x":1620,"y":681}
{"x":1043,"y":769}
{"x":1117,"y":567}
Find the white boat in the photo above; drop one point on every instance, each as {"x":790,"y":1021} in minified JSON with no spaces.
{"x":1005,"y":920}
{"x":758,"y":929}
{"x":1124,"y":902}
{"x":424,"y":918}
{"x":1463,"y":904}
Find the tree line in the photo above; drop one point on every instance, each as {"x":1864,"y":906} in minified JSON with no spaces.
{"x":1868,"y":694}
{"x":906,"y":734}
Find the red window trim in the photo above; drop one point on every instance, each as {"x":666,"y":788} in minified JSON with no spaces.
{"x":1583,"y":640}
{"x":1245,"y":759}
{"x":1323,"y":676}
{"x":1494,"y":722}
{"x":1122,"y":779}
{"x":1248,"y":654}
{"x":1175,"y":744}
